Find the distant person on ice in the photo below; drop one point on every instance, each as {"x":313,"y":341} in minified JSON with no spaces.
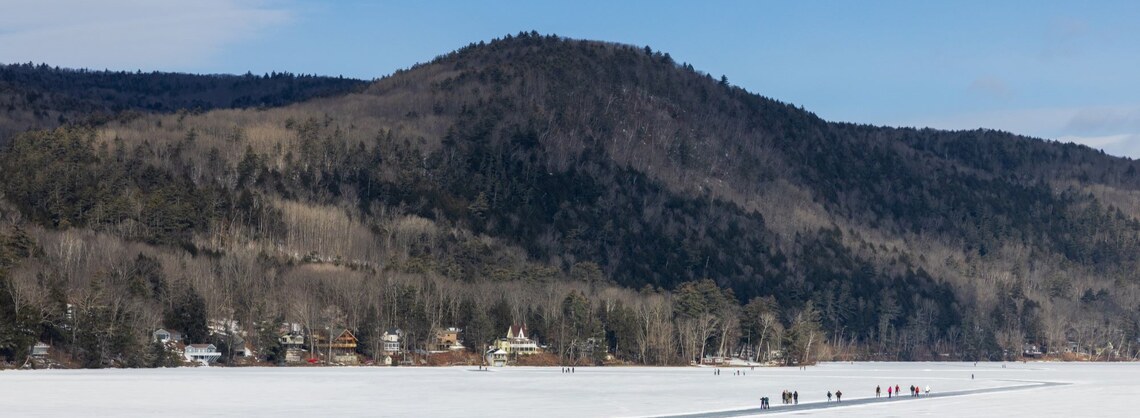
{"x":838,"y":395}
{"x":877,"y":389}
{"x":829,"y":396}
{"x":927,"y":390}
{"x":796,"y":397}
{"x":889,"y":391}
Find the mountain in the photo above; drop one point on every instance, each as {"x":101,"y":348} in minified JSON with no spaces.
{"x":591,"y":190}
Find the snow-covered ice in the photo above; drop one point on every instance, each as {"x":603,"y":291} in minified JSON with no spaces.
{"x":1096,"y":390}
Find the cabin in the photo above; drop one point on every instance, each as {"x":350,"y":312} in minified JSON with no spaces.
{"x":202,"y":353}
{"x":341,"y":349}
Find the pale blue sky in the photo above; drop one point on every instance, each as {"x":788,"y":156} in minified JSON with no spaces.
{"x":1058,"y":70}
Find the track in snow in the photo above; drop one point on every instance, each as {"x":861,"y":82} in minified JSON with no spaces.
{"x":779,"y":409}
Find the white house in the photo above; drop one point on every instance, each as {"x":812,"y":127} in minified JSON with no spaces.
{"x":40,"y":349}
{"x":391,"y":339}
{"x":497,"y":357}
{"x":202,"y":353}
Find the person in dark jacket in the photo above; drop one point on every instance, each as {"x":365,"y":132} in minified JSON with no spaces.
{"x":838,"y":395}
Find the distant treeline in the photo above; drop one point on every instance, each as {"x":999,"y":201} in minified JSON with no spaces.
{"x":40,"y":96}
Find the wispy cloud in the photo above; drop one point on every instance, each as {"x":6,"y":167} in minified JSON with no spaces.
{"x":1100,"y":141}
{"x":1114,"y":129}
{"x":129,"y":34}
{"x":993,"y":87}
{"x":1063,"y":38}
{"x":1124,"y":145}
{"x":1036,"y":122}
{"x":1104,"y":119}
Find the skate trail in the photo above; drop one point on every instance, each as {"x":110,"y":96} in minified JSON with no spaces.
{"x":779,"y":409}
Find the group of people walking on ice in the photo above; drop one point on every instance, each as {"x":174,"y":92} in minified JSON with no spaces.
{"x":838,"y":395}
{"x":788,"y":397}
{"x":793,"y":397}
{"x":915,"y":391}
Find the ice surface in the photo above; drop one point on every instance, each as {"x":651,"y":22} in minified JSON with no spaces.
{"x":1096,"y":390}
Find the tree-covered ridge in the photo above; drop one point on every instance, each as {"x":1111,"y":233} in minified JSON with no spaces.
{"x":569,"y":172}
{"x":39,"y":96}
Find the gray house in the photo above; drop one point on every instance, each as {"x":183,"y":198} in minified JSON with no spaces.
{"x":164,"y":336}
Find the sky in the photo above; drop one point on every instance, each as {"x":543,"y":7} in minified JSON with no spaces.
{"x":1066,"y":71}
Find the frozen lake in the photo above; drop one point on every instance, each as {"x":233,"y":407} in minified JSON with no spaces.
{"x":1099,"y":389}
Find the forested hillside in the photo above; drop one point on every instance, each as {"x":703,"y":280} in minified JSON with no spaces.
{"x":594,"y":191}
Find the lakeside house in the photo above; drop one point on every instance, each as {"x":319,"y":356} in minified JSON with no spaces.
{"x":447,"y":339}
{"x":164,"y":336}
{"x":293,"y":344}
{"x":391,"y":339}
{"x":496,"y":357}
{"x":340,"y":349}
{"x":516,"y":342}
{"x":1031,"y":350}
{"x":202,"y":353}
{"x":40,"y":350}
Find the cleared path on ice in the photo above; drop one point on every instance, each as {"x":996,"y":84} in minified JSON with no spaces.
{"x":781,"y":408}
